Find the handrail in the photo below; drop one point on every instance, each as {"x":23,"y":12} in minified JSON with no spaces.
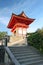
{"x":15,"y":62}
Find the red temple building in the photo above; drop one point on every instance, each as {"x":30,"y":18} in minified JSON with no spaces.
{"x":18,"y":25}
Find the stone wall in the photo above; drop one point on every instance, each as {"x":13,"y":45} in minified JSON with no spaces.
{"x":17,"y":41}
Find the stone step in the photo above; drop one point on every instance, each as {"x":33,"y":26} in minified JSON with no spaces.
{"x":26,"y":56}
{"x":30,"y":58}
{"x":24,"y":53}
{"x":23,"y":49}
{"x":31,"y":62}
{"x":38,"y":63}
{"x":20,"y":47}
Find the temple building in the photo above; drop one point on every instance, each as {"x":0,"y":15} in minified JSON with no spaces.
{"x":18,"y":25}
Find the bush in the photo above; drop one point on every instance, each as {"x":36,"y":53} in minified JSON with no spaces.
{"x":36,"y":40}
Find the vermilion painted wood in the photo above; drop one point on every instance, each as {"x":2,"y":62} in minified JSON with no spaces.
{"x":22,"y":18}
{"x":19,"y":25}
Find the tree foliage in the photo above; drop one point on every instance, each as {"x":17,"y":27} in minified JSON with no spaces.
{"x":2,"y":34}
{"x":36,"y":39}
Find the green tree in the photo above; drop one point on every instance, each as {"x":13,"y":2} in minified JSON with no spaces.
{"x":36,"y":39}
{"x":2,"y":34}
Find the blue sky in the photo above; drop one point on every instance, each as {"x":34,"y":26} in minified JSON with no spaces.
{"x":32,"y":8}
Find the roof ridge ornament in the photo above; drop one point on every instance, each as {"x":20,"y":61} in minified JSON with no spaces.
{"x":22,"y":14}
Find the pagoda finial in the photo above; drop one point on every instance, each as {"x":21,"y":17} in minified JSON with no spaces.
{"x":22,"y":14}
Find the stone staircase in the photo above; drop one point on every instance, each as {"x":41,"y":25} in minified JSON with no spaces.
{"x":27,"y":55}
{"x":21,"y":55}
